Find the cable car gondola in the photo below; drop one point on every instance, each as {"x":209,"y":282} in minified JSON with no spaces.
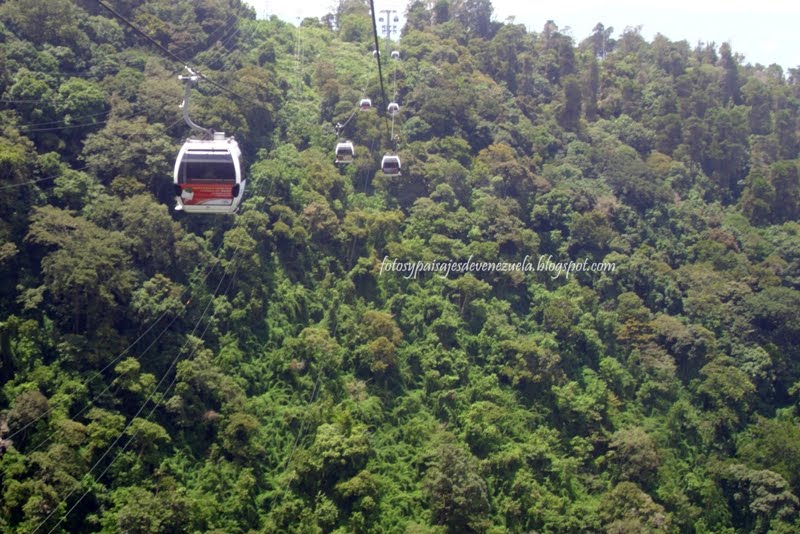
{"x":390,"y":164}
{"x":393,"y":108}
{"x":208,"y":176}
{"x":365,"y":104}
{"x":208,"y":172}
{"x":395,"y":54}
{"x":345,"y":152}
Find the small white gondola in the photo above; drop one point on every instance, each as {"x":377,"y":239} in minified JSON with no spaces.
{"x":208,"y":172}
{"x":345,"y":152}
{"x":395,"y":54}
{"x":376,"y":53}
{"x":390,"y":164}
{"x":365,"y":104}
{"x":208,"y":176}
{"x":393,"y":108}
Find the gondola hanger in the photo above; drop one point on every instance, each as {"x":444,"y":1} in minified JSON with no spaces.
{"x":208,"y":171}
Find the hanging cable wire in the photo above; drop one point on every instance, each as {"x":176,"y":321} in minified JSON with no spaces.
{"x":26,"y":100}
{"x":378,"y":50}
{"x":298,"y":43}
{"x":235,"y":259}
{"x":396,"y":60}
{"x":155,"y":389}
{"x":342,"y":126}
{"x":54,"y":176}
{"x":63,"y":73}
{"x":127,"y":349}
{"x":64,"y":127}
{"x":119,"y":356}
{"x":394,"y":89}
{"x":395,"y":98}
{"x":22,"y":127}
{"x":170,"y":54}
{"x":221,"y":53}
{"x":138,"y":412}
{"x":301,"y":432}
{"x":226,"y":25}
{"x":380,"y":68}
{"x":163,"y":396}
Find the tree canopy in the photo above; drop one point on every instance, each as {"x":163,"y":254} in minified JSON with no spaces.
{"x":268,"y":371}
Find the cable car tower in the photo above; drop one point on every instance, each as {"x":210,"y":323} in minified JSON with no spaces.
{"x":208,"y":170}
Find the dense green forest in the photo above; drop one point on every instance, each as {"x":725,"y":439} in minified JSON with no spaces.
{"x":164,"y":372}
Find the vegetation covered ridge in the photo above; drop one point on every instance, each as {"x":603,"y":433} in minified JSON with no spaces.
{"x":169,"y":372}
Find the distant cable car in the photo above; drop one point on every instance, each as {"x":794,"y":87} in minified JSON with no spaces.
{"x":345,"y":152}
{"x":395,"y":54}
{"x":393,"y":108}
{"x":365,"y":104}
{"x":208,"y":172}
{"x":376,"y":53}
{"x":390,"y":164}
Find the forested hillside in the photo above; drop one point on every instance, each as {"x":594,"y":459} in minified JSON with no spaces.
{"x":166,"y":372}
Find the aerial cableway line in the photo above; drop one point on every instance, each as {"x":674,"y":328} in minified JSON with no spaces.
{"x":172,"y":55}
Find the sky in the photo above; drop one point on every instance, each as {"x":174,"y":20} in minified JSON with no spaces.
{"x":763,"y":31}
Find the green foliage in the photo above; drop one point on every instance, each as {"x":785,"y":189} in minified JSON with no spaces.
{"x":267,"y":373}
{"x":760,"y":499}
{"x":458,"y":495}
{"x":89,"y":273}
{"x":55,"y":23}
{"x":634,"y":456}
{"x":628,"y":509}
{"x":130,"y":148}
{"x":773,"y":444}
